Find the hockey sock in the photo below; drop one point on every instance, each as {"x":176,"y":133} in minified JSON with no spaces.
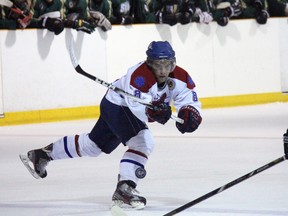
{"x":132,"y":166}
{"x":74,"y":146}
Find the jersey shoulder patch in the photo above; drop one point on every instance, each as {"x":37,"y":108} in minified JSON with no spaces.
{"x":142,"y":78}
{"x":182,"y":75}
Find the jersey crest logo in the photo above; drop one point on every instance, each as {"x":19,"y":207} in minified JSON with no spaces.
{"x":171,"y":84}
{"x":140,"y":172}
{"x":139,"y":81}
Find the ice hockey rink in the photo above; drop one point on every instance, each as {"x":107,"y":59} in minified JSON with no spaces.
{"x":231,"y":142}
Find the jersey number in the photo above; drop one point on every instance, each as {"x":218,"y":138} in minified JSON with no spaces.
{"x":195,"y":98}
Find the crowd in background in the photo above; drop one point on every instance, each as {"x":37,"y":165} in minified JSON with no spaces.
{"x":86,"y":15}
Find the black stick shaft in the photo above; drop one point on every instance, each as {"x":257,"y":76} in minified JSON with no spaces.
{"x":226,"y":186}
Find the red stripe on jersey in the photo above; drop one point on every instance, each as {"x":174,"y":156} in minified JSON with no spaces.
{"x":142,"y":78}
{"x":180,"y":74}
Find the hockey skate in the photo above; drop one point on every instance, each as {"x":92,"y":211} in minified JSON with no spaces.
{"x":40,"y":159}
{"x":126,"y":193}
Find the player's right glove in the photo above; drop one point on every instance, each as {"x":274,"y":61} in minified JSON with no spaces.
{"x":161,"y":111}
{"x":285,"y":141}
{"x":191,"y":117}
{"x":82,"y":25}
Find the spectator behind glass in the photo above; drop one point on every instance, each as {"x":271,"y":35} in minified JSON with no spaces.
{"x":173,"y":11}
{"x":76,"y":16}
{"x":21,"y":13}
{"x":47,"y":14}
{"x":126,"y":12}
{"x":100,"y":11}
{"x":277,"y":8}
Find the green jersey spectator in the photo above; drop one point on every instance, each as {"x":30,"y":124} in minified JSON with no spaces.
{"x":277,"y":8}
{"x":126,"y":12}
{"x":103,"y":6}
{"x":100,"y":11}
{"x":255,"y":9}
{"x":76,"y":16}
{"x":173,"y":11}
{"x":223,"y":11}
{"x":6,"y":23}
{"x":47,"y":14}
{"x":21,"y":12}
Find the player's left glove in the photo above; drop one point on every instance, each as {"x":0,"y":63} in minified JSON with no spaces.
{"x":161,"y":111}
{"x":191,"y":117}
{"x":285,"y":141}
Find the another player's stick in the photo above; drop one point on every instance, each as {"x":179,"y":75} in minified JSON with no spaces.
{"x":230,"y":184}
{"x":109,"y":85}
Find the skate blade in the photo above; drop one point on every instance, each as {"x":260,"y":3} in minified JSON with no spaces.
{"x":117,"y":211}
{"x":133,"y":205}
{"x":137,"y":205}
{"x":25,"y":160}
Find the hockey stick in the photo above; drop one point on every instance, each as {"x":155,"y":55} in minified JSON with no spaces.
{"x":109,"y":85}
{"x":226,"y":186}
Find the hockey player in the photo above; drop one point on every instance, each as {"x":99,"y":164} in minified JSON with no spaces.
{"x":157,"y":80}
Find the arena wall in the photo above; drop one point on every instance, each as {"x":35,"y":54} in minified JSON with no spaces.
{"x":240,"y":64}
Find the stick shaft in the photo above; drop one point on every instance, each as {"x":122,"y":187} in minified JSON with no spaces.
{"x":226,"y":186}
{"x":109,"y":85}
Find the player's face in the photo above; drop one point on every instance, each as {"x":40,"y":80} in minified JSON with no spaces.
{"x":162,"y":68}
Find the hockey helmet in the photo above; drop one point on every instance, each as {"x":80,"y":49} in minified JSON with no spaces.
{"x":160,"y":55}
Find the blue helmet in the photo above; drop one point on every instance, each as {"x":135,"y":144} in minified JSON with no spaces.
{"x":160,"y":50}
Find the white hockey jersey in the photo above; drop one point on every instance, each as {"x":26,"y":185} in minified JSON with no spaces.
{"x":140,"y":81}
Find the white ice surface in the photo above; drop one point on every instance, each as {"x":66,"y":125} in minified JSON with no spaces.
{"x":231,"y":142}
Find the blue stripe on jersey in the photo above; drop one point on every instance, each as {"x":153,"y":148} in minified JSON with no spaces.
{"x":66,"y":147}
{"x":132,"y":161}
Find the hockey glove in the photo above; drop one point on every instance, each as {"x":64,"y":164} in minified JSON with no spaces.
{"x":101,"y":20}
{"x":262,"y":17}
{"x":285,"y":141}
{"x":25,"y":21}
{"x":161,"y":111}
{"x":191,"y":117}
{"x":184,"y":18}
{"x":82,"y":25}
{"x":53,"y":24}
{"x":205,"y":17}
